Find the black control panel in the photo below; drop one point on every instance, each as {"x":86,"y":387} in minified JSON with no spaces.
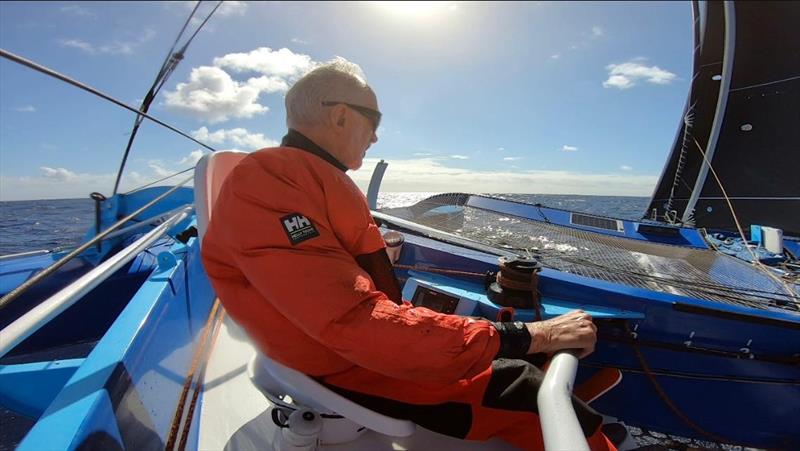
{"x":434,"y":300}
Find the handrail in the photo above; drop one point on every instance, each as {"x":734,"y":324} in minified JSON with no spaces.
{"x":154,"y":220}
{"x":560,"y":427}
{"x":16,"y":292}
{"x":26,"y":254}
{"x":38,"y":316}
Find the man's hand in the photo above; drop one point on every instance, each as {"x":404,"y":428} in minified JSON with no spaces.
{"x":573,"y":330}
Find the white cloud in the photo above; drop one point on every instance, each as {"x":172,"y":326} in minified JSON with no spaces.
{"x":512,"y":158}
{"x":79,"y":11}
{"x":78,"y":44}
{"x":299,"y":41}
{"x":238,"y":137}
{"x":431,"y":175}
{"x":228,"y":8}
{"x":61,"y":183}
{"x":232,"y":8}
{"x":556,"y":56}
{"x":625,"y":75}
{"x":625,"y":167}
{"x":26,"y":109}
{"x":116,"y":47}
{"x":281,"y":63}
{"x":192,"y":159}
{"x":211,"y":93}
{"x":459,"y":157}
{"x":163,"y":169}
{"x":423,"y":154}
{"x":597,"y":32}
{"x":566,"y":148}
{"x":57,"y":173}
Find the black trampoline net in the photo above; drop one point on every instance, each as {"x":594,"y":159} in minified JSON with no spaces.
{"x":683,"y":271}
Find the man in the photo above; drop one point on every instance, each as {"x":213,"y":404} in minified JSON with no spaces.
{"x":298,"y":261}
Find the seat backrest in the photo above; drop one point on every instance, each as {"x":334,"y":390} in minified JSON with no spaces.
{"x":209,"y":174}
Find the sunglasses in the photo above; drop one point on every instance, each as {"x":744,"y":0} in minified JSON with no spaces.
{"x":373,"y":115}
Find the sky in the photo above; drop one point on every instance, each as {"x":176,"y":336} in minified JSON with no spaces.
{"x":494,"y":97}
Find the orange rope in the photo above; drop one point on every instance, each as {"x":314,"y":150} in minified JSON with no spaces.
{"x":173,"y":431}
{"x":200,"y":382}
{"x":440,"y":271}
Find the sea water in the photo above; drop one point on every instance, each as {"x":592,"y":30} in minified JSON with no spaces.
{"x":32,"y":225}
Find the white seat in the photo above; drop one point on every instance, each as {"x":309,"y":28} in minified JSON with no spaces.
{"x":278,"y":379}
{"x":209,"y":174}
{"x":268,"y":375}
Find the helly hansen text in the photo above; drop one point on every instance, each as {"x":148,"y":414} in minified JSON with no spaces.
{"x":298,"y":228}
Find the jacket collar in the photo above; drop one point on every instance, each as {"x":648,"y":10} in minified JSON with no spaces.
{"x":298,"y":140}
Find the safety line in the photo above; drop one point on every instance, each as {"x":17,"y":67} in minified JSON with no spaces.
{"x":173,"y":431}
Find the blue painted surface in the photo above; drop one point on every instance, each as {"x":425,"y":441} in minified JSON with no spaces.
{"x":28,"y":388}
{"x":551,"y":306}
{"x":141,"y":361}
{"x":697,"y":356}
{"x":95,"y":312}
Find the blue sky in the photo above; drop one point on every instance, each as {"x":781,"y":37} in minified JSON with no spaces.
{"x":558,"y":98}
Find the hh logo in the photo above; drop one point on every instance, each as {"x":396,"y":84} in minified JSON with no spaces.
{"x":298,"y":228}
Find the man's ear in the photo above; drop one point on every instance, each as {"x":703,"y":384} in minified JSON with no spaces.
{"x":337,"y":116}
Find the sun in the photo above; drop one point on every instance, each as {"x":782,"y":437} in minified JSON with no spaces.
{"x":414,"y":8}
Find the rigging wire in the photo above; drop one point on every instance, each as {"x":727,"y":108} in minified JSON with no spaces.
{"x":159,"y":180}
{"x":50,"y":72}
{"x":167,"y":68}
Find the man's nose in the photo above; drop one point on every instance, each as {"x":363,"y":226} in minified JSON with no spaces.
{"x":374,"y":137}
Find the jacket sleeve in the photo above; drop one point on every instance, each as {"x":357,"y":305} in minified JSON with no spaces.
{"x":319,"y":287}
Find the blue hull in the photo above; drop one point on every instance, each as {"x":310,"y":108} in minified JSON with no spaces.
{"x":690,"y":367}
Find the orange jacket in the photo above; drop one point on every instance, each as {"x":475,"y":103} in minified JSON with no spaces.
{"x":280,"y":251}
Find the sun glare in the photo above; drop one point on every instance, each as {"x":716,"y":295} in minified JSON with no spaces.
{"x":415,"y":8}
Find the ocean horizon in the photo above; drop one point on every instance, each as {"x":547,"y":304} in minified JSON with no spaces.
{"x":31,"y":225}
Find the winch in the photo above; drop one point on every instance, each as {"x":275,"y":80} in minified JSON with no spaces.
{"x":516,"y":284}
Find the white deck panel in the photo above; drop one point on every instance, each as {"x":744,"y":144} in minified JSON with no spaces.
{"x":235,"y":415}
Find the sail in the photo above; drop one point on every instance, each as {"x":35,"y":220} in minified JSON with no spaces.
{"x":742,"y":113}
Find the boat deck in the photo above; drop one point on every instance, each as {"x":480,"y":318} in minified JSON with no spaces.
{"x":680,"y":270}
{"x":234,"y":414}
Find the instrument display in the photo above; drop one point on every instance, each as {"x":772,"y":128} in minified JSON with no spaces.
{"x":434,"y":300}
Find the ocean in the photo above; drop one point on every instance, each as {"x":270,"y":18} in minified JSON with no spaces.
{"x":32,"y":225}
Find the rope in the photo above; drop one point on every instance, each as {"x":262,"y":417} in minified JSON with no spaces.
{"x":187,"y":426}
{"x":441,"y":271}
{"x":176,"y":418}
{"x":756,"y":261}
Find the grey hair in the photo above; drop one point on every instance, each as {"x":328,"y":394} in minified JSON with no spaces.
{"x":337,"y":79}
